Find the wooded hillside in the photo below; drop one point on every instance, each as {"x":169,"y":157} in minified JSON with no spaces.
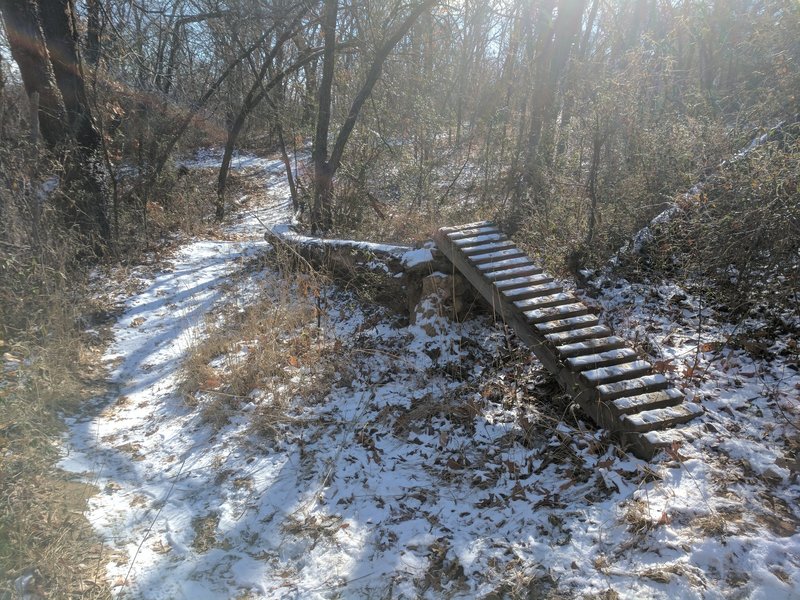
{"x":623,"y":144}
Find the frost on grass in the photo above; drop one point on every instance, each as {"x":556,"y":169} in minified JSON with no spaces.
{"x":358,"y":456}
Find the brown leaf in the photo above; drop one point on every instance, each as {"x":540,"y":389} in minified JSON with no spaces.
{"x":672,"y":452}
{"x":453,"y":463}
{"x":663,"y":366}
{"x":212,"y":382}
{"x":518,"y":492}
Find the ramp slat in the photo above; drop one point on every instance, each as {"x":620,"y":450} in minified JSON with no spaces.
{"x":632,"y":387}
{"x":490,"y":247}
{"x":478,"y":240}
{"x":514,"y":281}
{"x":579,"y":322}
{"x":555,"y":313}
{"x":633,"y":404}
{"x":603,"y":359}
{"x":578,"y":335}
{"x":537,"y":302}
{"x":592,"y":346}
{"x":502,"y":265}
{"x":661,"y":418}
{"x":497,"y":257}
{"x":531,"y":291}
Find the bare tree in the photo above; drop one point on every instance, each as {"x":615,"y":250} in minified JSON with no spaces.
{"x":325,"y":166}
{"x":44,"y":43}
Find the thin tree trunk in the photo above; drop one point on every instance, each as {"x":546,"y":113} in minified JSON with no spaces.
{"x":323,"y":179}
{"x":597,"y":146}
{"x":324,"y":170}
{"x":94,"y":27}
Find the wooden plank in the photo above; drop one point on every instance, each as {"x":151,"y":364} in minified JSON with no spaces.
{"x":466,"y":226}
{"x":497,"y":257}
{"x":592,"y":346}
{"x":606,"y":375}
{"x":578,"y":335}
{"x":480,"y":240}
{"x":579,"y":322}
{"x":516,"y":282}
{"x":660,"y":399}
{"x":537,"y":302}
{"x":504,"y":274}
{"x":661,"y":418}
{"x":555,"y":313}
{"x":589,"y":362}
{"x":531,"y":291}
{"x":490,"y":247}
{"x":632,"y":387}
{"x":471,"y":232}
{"x":503,"y":265}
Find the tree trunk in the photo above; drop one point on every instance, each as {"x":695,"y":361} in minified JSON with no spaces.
{"x":324,"y":170}
{"x":323,"y":178}
{"x":29,"y":50}
{"x":94,"y":27}
{"x":44,"y":44}
{"x":597,"y":146}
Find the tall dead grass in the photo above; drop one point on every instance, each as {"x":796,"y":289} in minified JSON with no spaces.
{"x":48,"y":369}
{"x":47,"y":547}
{"x":269,"y":352}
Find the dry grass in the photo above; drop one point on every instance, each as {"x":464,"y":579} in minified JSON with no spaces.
{"x":45,"y":541}
{"x":48,"y":369}
{"x":269,"y":352}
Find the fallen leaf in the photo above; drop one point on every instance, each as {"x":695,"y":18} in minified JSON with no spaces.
{"x":664,"y":366}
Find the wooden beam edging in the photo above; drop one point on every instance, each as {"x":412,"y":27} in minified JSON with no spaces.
{"x":602,"y":384}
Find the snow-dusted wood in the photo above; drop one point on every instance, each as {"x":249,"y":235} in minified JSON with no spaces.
{"x":592,"y":346}
{"x":616,"y":388}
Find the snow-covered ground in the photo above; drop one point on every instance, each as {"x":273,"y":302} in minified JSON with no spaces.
{"x":442,"y":462}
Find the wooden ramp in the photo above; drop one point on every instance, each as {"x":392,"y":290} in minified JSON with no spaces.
{"x":602,"y":373}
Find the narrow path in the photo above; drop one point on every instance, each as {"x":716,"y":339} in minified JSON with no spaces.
{"x":145,"y":509}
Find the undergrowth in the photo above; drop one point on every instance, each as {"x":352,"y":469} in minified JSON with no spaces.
{"x":268,"y":352}
{"x":47,"y":548}
{"x":738,"y":242}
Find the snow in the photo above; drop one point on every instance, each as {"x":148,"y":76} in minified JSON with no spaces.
{"x":441,"y":462}
{"x":289,"y":234}
{"x":414,"y":258}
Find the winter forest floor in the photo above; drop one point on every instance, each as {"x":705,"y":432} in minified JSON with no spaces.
{"x":275,"y":435}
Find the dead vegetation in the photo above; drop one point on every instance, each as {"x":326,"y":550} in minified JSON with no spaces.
{"x":267,"y":352}
{"x":53,"y":330}
{"x":47,"y":547}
